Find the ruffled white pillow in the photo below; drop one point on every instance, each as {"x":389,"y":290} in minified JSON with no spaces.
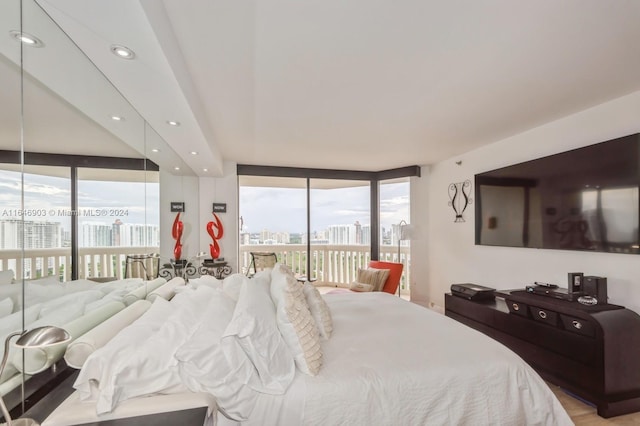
{"x":319,"y":310}
{"x":295,"y":321}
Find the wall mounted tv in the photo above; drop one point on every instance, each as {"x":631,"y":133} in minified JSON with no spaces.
{"x":585,"y":199}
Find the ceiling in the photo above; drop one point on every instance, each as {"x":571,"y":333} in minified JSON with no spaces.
{"x":355,"y":84}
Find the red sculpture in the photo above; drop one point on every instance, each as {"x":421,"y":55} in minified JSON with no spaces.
{"x":176,"y":233}
{"x":215,"y":231}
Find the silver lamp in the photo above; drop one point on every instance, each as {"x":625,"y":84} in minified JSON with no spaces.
{"x":39,"y":337}
{"x":405,"y":232}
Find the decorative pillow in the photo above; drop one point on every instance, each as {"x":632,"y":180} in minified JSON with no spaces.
{"x":356,"y":286}
{"x":375,"y":277}
{"x":319,"y":310}
{"x":254,"y":330}
{"x":295,"y":321}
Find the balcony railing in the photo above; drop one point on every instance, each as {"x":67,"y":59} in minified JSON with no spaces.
{"x":331,"y":265}
{"x":93,"y":261}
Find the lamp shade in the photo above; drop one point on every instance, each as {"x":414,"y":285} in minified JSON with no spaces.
{"x":42,"y":336}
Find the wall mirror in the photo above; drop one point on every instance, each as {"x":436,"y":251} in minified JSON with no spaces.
{"x":80,"y":175}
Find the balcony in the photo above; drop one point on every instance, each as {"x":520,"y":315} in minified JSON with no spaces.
{"x":331,"y":265}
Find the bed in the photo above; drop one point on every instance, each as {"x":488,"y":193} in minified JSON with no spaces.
{"x":387,"y":361}
{"x":77,"y":306}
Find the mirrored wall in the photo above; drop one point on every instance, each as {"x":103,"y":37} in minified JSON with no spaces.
{"x":79,"y":183}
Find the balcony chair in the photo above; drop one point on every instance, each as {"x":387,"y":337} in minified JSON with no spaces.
{"x":395,"y":273}
{"x":390,"y":285}
{"x":144,"y":266}
{"x":261,"y":261}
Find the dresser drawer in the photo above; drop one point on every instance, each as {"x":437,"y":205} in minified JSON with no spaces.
{"x":544,"y":315}
{"x":517,"y":308}
{"x":578,"y":325}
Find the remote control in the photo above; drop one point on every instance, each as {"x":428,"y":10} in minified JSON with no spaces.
{"x":547,"y":285}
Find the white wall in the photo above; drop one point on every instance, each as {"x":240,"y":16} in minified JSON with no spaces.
{"x":179,"y":189}
{"x":221,"y":190}
{"x":447,"y":254}
{"x":199,"y":194}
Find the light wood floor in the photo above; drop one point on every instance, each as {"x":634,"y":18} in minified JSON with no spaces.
{"x":585,"y":415}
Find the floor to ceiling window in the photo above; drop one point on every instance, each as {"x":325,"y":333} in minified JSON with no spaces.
{"x":325,"y":224}
{"x":395,"y":245}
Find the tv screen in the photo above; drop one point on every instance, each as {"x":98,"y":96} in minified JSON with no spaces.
{"x":584,"y":199}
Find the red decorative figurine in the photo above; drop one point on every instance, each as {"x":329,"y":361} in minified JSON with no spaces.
{"x":215,"y":231}
{"x":176,"y":233}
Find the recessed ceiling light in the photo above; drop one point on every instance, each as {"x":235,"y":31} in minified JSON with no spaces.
{"x":194,"y":152}
{"x":122,"y":51}
{"x":205,"y":170}
{"x":155,"y":150}
{"x":117,"y":118}
{"x":176,"y":168}
{"x":173,"y":123}
{"x":26,"y":38}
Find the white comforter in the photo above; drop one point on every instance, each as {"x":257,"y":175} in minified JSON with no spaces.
{"x":391,"y":362}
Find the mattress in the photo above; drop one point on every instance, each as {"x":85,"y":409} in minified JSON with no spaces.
{"x":391,"y":362}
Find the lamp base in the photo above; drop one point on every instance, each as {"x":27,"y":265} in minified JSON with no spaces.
{"x":23,"y":422}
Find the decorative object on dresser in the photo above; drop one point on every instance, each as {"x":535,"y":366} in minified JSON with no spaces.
{"x":176,"y":233}
{"x":591,"y":351}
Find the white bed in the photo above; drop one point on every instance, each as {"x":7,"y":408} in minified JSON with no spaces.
{"x":387,"y":362}
{"x":392,"y":362}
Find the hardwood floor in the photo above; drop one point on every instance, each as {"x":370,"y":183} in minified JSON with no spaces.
{"x":585,"y":415}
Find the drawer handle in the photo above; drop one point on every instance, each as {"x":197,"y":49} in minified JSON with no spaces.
{"x":577,"y":324}
{"x":516,"y":307}
{"x":542,"y":314}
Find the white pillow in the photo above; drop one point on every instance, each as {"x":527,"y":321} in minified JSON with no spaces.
{"x":375,"y":277}
{"x":360,"y":287}
{"x":61,"y":303}
{"x":319,"y":310}
{"x":208,"y":280}
{"x":140,"y":359}
{"x":6,"y":307}
{"x":295,"y":321}
{"x":205,"y":365}
{"x":232,"y":284}
{"x":254,"y":332}
{"x":6,"y":277}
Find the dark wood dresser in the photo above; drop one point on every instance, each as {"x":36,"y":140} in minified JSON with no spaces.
{"x":591,"y":351}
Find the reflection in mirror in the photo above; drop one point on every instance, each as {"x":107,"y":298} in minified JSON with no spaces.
{"x":83,"y":199}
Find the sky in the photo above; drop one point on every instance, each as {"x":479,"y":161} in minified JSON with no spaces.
{"x":284,"y":209}
{"x":47,"y":198}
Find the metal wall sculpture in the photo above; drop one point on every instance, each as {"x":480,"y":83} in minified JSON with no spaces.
{"x":459,"y":198}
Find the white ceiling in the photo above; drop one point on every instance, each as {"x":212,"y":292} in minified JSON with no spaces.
{"x":355,"y":84}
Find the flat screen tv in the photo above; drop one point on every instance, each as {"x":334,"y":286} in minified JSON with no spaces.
{"x":585,"y":199}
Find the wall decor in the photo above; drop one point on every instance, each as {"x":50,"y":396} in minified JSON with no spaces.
{"x":219,"y":208}
{"x":177,"y":206}
{"x":215,"y":231}
{"x":459,"y":198}
{"x":176,"y":233}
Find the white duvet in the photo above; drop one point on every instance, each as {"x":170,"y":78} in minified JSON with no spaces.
{"x":391,"y":362}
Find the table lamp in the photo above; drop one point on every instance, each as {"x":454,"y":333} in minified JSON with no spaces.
{"x":39,"y":337}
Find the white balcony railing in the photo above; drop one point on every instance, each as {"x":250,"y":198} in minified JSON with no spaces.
{"x":93,"y":261}
{"x":331,"y":265}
